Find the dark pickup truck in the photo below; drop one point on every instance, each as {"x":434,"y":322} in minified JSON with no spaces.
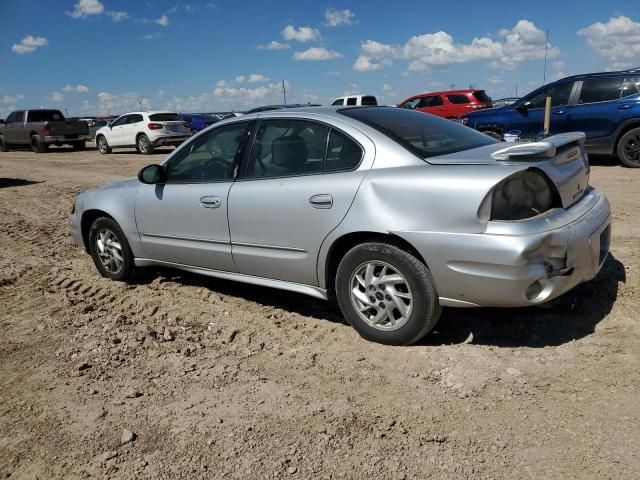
{"x":41,"y":128}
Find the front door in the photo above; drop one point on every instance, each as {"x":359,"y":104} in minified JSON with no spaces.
{"x":296,"y":189}
{"x":132,"y":127}
{"x":116,"y":134}
{"x":184,"y":221}
{"x":13,"y":127}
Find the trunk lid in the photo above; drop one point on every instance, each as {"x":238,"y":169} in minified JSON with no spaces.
{"x":562,"y":158}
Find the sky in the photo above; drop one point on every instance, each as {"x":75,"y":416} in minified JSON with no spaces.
{"x":91,"y":57}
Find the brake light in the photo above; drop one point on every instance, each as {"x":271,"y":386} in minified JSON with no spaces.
{"x":45,"y":128}
{"x":155,"y":126}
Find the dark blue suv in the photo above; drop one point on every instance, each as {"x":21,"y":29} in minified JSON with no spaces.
{"x":605,"y":106}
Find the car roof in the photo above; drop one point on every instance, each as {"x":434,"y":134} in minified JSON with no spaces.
{"x":618,"y":73}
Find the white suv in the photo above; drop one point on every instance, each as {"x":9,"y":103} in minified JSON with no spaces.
{"x":143,"y":130}
{"x":356,"y":101}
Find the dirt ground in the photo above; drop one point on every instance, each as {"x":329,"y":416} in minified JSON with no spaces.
{"x":180,"y":376}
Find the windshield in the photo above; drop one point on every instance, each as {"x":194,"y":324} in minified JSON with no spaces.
{"x":422,"y":134}
{"x":165,"y":117}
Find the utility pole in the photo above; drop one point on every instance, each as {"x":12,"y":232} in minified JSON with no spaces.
{"x":284,"y":92}
{"x":452,"y":85}
{"x":546,"y":50}
{"x":140,"y":104}
{"x":516,"y":89}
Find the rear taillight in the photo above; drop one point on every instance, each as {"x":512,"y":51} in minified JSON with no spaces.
{"x":45,"y":129}
{"x":155,"y":126}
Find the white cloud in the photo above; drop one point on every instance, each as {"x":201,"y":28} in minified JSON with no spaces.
{"x":386,"y":88}
{"x":75,"y":88}
{"x":152,"y":36}
{"x":521,"y":43}
{"x":162,"y":21}
{"x":110,"y":103}
{"x":239,"y":78}
{"x":57,"y":97}
{"x":247,"y":97}
{"x":494,"y":80}
{"x":316,"y":54}
{"x":11,"y":99}
{"x":302,"y":34}
{"x":84,"y":8}
{"x":29,"y":44}
{"x":273,"y":45}
{"x":255,"y":78}
{"x":118,"y":16}
{"x":617,"y":40}
{"x":338,"y":17}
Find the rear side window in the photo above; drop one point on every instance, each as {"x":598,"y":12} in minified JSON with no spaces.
{"x":352,"y":101}
{"x":44,"y":116}
{"x":423,"y":135}
{"x":631,"y":87}
{"x":601,"y":90}
{"x":482,"y":97}
{"x":458,"y":98}
{"x":339,"y":101}
{"x":134,"y":118}
{"x":287,"y":147}
{"x":165,"y":117}
{"x":369,"y":101}
{"x":342,"y":153}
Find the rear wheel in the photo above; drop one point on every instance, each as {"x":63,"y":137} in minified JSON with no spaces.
{"x":144,"y":145}
{"x":386,"y":294}
{"x":3,"y":145}
{"x":110,"y":250}
{"x":103,"y":146}
{"x":629,"y":148}
{"x":37,"y":145}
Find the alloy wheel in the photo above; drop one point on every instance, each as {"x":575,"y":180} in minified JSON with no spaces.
{"x":631,"y":149}
{"x":109,"y":251}
{"x":143,"y":144}
{"x":381,"y":295}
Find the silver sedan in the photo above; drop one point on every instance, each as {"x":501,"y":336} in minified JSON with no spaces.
{"x":393,"y":213}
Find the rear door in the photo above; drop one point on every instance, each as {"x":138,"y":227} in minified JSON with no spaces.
{"x":298,"y":183}
{"x":459,"y":104}
{"x":598,"y":111}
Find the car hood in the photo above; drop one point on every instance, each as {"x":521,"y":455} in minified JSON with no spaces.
{"x":117,"y":185}
{"x":484,"y":112}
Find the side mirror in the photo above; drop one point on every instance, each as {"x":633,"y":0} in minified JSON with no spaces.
{"x":522,"y":107}
{"x":152,"y":174}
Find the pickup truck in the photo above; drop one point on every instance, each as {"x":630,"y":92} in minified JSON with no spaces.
{"x":41,"y":128}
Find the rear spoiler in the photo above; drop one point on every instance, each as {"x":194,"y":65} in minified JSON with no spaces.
{"x":547,"y":148}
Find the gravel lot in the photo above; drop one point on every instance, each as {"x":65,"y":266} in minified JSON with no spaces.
{"x":180,"y":376}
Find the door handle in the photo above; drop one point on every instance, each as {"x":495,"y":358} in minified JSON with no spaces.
{"x":210,"y":201}
{"x":322,"y":200}
{"x":625,"y":106}
{"x":558,"y":113}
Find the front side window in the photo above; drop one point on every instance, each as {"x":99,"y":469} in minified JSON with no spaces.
{"x":423,"y":135}
{"x":559,"y":94}
{"x":287,"y":147}
{"x":458,"y":99}
{"x":339,"y":101}
{"x":15,"y":117}
{"x":432,"y":101}
{"x":411,"y":104}
{"x":211,"y":157}
{"x":120,"y":121}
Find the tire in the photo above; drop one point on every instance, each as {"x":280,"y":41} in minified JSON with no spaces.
{"x":143,"y":145}
{"x":415,"y":290}
{"x":629,"y":148}
{"x":3,"y":145}
{"x":37,"y":145}
{"x":103,"y":145}
{"x":79,"y":146}
{"x":112,"y":262}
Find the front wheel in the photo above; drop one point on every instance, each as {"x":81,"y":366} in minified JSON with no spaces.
{"x":144,"y":145}
{"x":386,"y":294}
{"x":103,"y":146}
{"x":110,"y":250}
{"x":629,"y":148}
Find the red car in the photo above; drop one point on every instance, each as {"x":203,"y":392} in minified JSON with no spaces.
{"x":449,"y":104}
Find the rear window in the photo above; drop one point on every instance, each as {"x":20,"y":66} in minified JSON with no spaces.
{"x":423,"y":135}
{"x":165,"y":117}
{"x":369,"y":101}
{"x":482,"y":97}
{"x":458,"y":99}
{"x":44,"y":116}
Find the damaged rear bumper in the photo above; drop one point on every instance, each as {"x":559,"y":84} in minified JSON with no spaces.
{"x":519,"y":263}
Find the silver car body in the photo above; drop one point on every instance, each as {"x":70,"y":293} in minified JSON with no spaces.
{"x":283,"y":232}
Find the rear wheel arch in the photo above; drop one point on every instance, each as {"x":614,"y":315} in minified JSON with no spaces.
{"x":343,"y":244}
{"x":623,"y":130}
{"x":88,"y":217}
